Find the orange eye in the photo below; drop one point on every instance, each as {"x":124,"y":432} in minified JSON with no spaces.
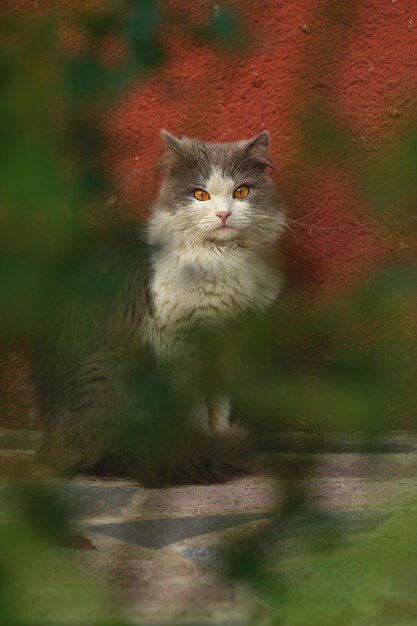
{"x":241,"y":192}
{"x":201,"y":194}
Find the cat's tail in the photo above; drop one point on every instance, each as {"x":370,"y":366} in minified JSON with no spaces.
{"x":193,"y":457}
{"x":199,"y":457}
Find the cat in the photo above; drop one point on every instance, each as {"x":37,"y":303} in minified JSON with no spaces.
{"x":215,"y":219}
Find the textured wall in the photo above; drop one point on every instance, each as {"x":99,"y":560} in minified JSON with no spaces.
{"x":357,"y":59}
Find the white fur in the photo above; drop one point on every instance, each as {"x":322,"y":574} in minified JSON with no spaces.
{"x":210,"y":284}
{"x":203,"y":273}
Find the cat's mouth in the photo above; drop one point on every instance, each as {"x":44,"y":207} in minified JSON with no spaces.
{"x":225,"y":227}
{"x":224,"y":233}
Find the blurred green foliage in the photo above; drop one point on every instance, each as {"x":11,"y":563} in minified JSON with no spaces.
{"x":386,"y":177}
{"x":55,"y":84}
{"x":321,"y":571}
{"x":319,"y":366}
{"x":40,"y":583}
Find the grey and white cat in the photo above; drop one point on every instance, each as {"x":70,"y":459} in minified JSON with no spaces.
{"x":216,"y":218}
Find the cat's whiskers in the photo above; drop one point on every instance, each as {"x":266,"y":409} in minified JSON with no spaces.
{"x":306,"y":215}
{"x":261,"y":231}
{"x":291,"y":230}
{"x":310,"y":226}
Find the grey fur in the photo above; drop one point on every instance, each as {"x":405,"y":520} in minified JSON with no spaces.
{"x":190,"y":162}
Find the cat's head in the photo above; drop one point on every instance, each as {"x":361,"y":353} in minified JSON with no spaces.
{"x":218,"y":192}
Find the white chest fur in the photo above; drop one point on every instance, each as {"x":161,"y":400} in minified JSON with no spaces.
{"x":208,"y":285}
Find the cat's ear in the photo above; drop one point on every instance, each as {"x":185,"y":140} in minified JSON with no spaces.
{"x":258,"y":149}
{"x":173,"y":143}
{"x":174,"y":150}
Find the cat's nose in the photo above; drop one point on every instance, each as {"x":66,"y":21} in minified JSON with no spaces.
{"x":223,"y":215}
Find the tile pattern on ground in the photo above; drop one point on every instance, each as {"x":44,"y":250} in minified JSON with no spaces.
{"x":97,"y":500}
{"x":159,"y":550}
{"x":158,"y":533}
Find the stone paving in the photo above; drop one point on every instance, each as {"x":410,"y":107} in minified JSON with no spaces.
{"x":158,"y":551}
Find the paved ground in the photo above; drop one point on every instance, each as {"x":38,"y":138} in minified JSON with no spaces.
{"x":156,"y":554}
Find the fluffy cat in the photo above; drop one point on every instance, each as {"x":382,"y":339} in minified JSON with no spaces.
{"x":216,"y":217}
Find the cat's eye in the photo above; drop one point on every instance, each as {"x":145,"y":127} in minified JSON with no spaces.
{"x":201,"y":194}
{"x":241,"y":192}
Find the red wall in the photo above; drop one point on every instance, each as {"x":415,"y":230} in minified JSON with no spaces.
{"x":359,"y":59}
